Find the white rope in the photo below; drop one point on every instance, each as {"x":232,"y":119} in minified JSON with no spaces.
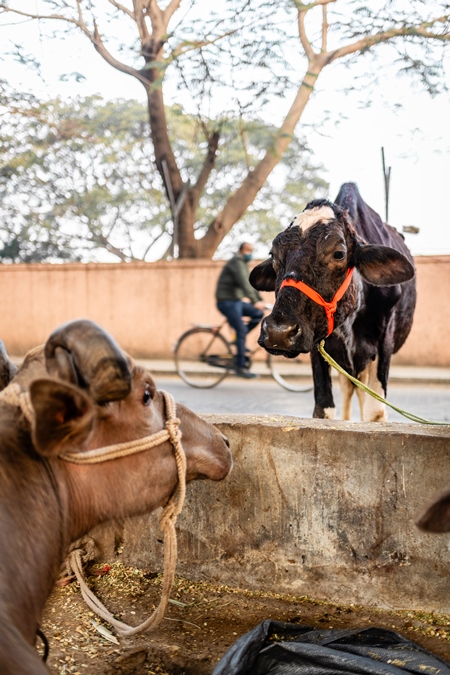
{"x":15,"y":396}
{"x":167,"y":520}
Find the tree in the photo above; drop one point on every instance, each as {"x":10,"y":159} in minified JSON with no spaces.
{"x":77,"y":176}
{"x":244,"y":46}
{"x":72,"y":178}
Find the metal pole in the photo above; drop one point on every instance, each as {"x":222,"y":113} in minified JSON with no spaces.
{"x":387,"y":180}
{"x":175,"y":206}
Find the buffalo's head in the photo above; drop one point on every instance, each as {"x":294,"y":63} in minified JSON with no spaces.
{"x":318,"y":249}
{"x":86,"y":393}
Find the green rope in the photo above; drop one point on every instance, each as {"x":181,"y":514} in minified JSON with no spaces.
{"x":308,"y":86}
{"x":368,"y":390}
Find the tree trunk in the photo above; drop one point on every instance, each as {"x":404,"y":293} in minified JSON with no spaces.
{"x":238,"y":203}
{"x":244,"y":196}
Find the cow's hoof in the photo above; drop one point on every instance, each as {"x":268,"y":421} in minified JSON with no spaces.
{"x":324,"y":413}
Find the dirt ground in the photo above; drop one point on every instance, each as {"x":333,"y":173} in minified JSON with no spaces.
{"x":202,"y":621}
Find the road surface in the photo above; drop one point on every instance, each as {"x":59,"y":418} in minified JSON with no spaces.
{"x":265,"y":396}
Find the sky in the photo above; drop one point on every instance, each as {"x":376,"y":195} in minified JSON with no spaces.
{"x":413,"y":128}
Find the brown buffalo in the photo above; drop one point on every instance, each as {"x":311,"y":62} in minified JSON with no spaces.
{"x":85,"y":394}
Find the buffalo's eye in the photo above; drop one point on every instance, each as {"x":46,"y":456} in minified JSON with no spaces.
{"x":147,"y":397}
{"x":339,"y":255}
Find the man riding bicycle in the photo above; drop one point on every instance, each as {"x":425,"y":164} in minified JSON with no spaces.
{"x":237,"y":298}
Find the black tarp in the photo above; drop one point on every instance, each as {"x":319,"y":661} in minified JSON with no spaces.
{"x":289,"y":649}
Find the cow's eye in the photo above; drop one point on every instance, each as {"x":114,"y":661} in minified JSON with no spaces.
{"x":339,"y":255}
{"x":147,"y":397}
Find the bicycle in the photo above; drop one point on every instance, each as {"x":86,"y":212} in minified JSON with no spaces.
{"x":204,"y":357}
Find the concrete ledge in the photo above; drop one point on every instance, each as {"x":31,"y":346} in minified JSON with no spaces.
{"x":318,"y":508}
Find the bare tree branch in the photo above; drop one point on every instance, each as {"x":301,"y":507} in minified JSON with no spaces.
{"x":170,"y":10}
{"x":153,"y":242}
{"x":305,"y":8}
{"x":58,"y":17}
{"x":243,"y":135}
{"x":122,"y":8}
{"x":139,"y":18}
{"x":324,"y":28}
{"x":102,"y":241}
{"x":385,"y":36}
{"x":115,"y":63}
{"x":81,"y":21}
{"x":192,"y":45}
{"x":309,"y":51}
{"x":157,"y":19}
{"x":208,"y":165}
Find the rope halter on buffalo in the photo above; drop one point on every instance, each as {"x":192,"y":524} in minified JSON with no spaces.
{"x":15,"y":396}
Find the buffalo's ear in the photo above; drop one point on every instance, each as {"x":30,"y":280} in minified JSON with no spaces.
{"x":382,"y":265}
{"x":64,"y":417}
{"x":437,"y":517}
{"x":263,"y":277}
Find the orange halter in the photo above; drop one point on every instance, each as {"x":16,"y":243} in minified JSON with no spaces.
{"x":330,"y":307}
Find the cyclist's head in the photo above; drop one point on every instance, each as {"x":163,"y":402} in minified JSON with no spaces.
{"x":246,"y":250}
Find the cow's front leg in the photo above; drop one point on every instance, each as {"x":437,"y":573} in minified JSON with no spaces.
{"x":324,"y":407}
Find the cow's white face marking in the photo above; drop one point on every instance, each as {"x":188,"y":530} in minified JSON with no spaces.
{"x":312,"y":216}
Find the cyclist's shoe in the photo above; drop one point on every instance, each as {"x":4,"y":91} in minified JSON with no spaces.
{"x":243,"y":372}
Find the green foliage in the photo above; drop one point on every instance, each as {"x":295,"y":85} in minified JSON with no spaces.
{"x":78,"y":176}
{"x":90,"y":165}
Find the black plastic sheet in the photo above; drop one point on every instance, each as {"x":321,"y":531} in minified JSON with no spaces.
{"x":288,"y":649}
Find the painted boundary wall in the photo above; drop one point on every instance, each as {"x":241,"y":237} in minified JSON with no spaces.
{"x":312,"y":507}
{"x":146,"y":306}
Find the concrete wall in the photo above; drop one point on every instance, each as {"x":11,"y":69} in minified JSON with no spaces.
{"x":316,"y":508}
{"x":146,"y":306}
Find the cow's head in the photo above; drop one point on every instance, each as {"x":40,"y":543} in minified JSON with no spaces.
{"x":318,"y":249}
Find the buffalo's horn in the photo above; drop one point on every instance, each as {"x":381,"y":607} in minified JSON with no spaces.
{"x":7,"y":367}
{"x":83,"y":353}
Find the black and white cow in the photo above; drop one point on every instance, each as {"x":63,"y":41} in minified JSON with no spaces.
{"x":339,"y":274}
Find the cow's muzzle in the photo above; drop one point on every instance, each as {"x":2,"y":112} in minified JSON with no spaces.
{"x":280,"y":337}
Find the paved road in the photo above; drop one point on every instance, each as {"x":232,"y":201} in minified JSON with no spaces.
{"x":264,"y":396}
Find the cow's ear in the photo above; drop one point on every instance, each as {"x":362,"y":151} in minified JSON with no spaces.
{"x":437,"y":517}
{"x":263,"y":277}
{"x":64,"y":417}
{"x":382,"y":265}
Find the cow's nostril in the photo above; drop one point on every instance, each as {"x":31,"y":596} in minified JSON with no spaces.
{"x":294,"y":331}
{"x":227,"y":442}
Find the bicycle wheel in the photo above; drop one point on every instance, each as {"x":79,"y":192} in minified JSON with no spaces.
{"x":291,"y":374}
{"x":203,"y":357}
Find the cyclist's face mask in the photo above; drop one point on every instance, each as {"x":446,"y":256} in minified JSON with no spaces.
{"x":247,"y":256}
